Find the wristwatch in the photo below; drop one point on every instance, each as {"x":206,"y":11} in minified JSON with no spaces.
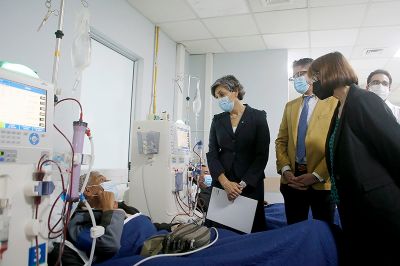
{"x":242,"y":184}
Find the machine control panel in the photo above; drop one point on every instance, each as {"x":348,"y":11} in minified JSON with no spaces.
{"x":8,"y":156}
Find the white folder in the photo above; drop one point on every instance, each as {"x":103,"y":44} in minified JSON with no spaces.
{"x":237,"y":214}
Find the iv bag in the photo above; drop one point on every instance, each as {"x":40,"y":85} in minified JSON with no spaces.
{"x":81,"y":45}
{"x":197,"y":100}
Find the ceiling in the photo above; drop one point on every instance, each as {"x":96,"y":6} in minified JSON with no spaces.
{"x":307,"y":28}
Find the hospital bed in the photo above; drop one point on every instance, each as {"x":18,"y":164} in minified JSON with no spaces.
{"x":310,"y":242}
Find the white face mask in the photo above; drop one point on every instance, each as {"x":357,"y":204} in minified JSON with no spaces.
{"x":380,"y":90}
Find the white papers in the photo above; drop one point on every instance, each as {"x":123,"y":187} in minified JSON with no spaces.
{"x":238,"y":214}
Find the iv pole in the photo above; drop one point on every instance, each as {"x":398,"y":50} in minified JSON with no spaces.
{"x":59,"y":34}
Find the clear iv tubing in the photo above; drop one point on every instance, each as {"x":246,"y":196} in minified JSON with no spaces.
{"x":94,"y":239}
{"x":90,"y":165}
{"x":180,"y":254}
{"x":88,"y":173}
{"x":86,"y":203}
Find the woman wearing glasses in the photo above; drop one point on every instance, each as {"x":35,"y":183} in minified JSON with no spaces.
{"x":363,"y":151}
{"x":300,"y":151}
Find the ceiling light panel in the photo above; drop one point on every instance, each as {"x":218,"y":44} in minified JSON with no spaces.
{"x":218,"y":8}
{"x":231,"y":26}
{"x":360,"y":52}
{"x":162,"y":11}
{"x":271,"y":5}
{"x":282,"y":21}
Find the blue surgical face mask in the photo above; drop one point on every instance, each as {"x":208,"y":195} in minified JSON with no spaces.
{"x":207,"y":180}
{"x":301,"y":85}
{"x":225,"y":104}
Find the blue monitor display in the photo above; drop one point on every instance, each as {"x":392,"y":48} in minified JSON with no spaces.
{"x":22,"y":107}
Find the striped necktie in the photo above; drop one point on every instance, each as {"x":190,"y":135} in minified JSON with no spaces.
{"x":301,"y":131}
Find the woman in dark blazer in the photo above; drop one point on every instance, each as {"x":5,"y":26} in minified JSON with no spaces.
{"x":363,"y":156}
{"x":238,"y":147}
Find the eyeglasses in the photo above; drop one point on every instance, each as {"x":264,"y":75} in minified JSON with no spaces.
{"x":377,"y":82}
{"x":297,"y":75}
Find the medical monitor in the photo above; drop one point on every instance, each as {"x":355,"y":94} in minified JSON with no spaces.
{"x":26,"y":116}
{"x":23,"y":106}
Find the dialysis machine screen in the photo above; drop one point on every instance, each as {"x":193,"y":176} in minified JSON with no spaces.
{"x":22,"y":107}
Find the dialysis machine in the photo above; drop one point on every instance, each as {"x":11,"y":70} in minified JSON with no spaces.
{"x":159,"y":187}
{"x":26,"y":129}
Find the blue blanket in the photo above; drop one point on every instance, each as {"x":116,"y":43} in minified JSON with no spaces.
{"x":307,"y":243}
{"x":276,"y":218}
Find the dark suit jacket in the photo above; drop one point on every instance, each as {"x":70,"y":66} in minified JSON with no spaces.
{"x":366,"y":166}
{"x":242,"y":155}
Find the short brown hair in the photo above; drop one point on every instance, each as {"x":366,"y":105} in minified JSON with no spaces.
{"x":231,"y":83}
{"x":333,"y":71}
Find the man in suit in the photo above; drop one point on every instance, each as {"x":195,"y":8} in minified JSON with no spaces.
{"x":300,"y":151}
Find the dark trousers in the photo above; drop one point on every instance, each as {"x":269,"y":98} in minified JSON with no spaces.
{"x":298,"y":202}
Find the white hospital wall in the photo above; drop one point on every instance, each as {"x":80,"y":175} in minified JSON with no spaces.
{"x":116,"y":20}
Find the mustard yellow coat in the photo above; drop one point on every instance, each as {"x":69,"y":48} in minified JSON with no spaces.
{"x":317,"y":131}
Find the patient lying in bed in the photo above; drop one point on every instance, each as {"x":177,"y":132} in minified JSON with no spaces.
{"x":101,"y":195}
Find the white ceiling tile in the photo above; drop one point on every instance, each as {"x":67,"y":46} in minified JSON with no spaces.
{"x":287,"y":40}
{"x":231,"y":26}
{"x":217,"y":8}
{"x":333,"y":38}
{"x":185,"y":30}
{"x":382,"y":14}
{"x":368,"y":64}
{"x":203,"y":46}
{"x":240,"y":44}
{"x":271,"y":5}
{"x":282,"y":21}
{"x":336,"y":17}
{"x":315,"y":3}
{"x":379,"y":36}
{"x":345,"y":51}
{"x":162,"y":11}
{"x":360,"y":52}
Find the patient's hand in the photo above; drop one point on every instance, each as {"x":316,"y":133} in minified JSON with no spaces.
{"x":107,"y":200}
